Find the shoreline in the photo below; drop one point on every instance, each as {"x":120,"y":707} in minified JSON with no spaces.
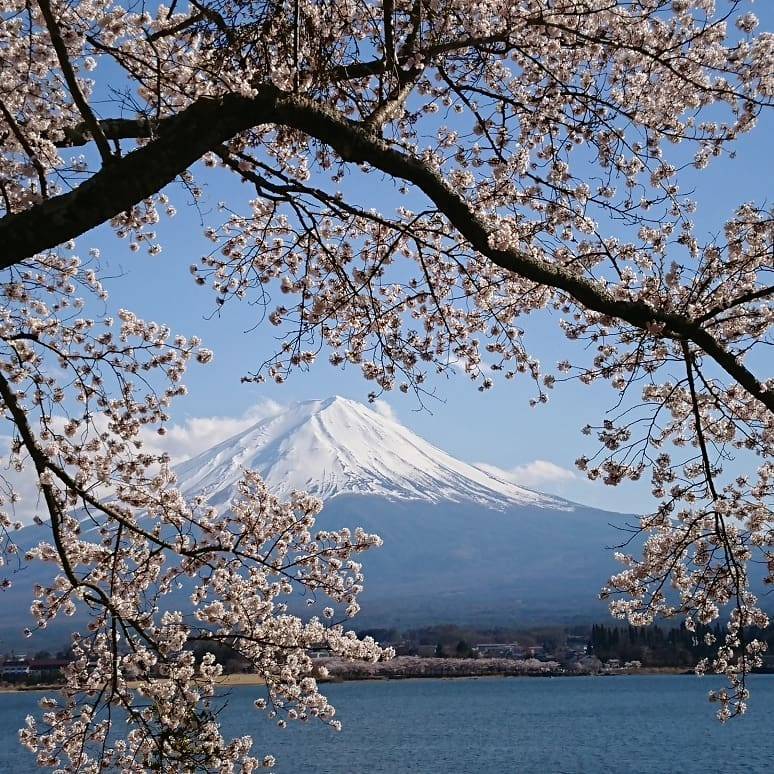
{"x":248,"y":679}
{"x":654,"y":672}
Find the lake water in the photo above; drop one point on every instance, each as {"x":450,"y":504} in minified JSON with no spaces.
{"x":632,"y":725}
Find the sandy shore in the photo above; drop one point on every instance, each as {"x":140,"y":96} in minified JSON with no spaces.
{"x":226,"y":681}
{"x":27,"y":688}
{"x":233,"y":680}
{"x":241,"y":679}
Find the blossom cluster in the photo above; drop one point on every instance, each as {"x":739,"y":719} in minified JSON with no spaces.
{"x":137,"y":661}
{"x":123,"y":540}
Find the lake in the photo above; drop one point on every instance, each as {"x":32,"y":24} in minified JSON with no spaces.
{"x":632,"y":724}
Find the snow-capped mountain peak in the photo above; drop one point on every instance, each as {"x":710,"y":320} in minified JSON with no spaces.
{"x":338,"y":446}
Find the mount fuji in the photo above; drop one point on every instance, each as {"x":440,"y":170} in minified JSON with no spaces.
{"x":460,"y":544}
{"x":338,"y":447}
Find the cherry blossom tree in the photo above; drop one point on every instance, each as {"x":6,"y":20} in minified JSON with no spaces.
{"x":527,"y":156}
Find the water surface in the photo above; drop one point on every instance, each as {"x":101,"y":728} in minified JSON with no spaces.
{"x":636,"y":725}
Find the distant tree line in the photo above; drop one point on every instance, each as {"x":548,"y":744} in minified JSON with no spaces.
{"x":654,"y":646}
{"x":658,"y":646}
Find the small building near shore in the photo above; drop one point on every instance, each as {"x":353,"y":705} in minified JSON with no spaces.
{"x":15,"y":668}
{"x":500,"y":650}
{"x":577,"y":644}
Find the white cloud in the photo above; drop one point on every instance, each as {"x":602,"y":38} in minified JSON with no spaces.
{"x":535,"y":475}
{"x":197,"y":434}
{"x":459,"y":365}
{"x":384,"y":409}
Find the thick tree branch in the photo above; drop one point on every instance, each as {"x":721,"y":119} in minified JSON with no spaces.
{"x":181,"y":140}
{"x":208,"y":123}
{"x":112,"y":129}
{"x":388,"y":8}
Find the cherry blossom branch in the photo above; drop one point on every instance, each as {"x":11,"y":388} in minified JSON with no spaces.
{"x":184,"y":138}
{"x":28,"y":149}
{"x":753,"y":295}
{"x":72,"y":82}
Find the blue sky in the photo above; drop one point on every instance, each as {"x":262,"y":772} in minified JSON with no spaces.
{"x":497,"y":427}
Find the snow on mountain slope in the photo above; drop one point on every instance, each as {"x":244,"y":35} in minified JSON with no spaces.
{"x":338,"y":446}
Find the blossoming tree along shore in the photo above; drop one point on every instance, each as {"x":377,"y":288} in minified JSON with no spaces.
{"x":538,"y":146}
